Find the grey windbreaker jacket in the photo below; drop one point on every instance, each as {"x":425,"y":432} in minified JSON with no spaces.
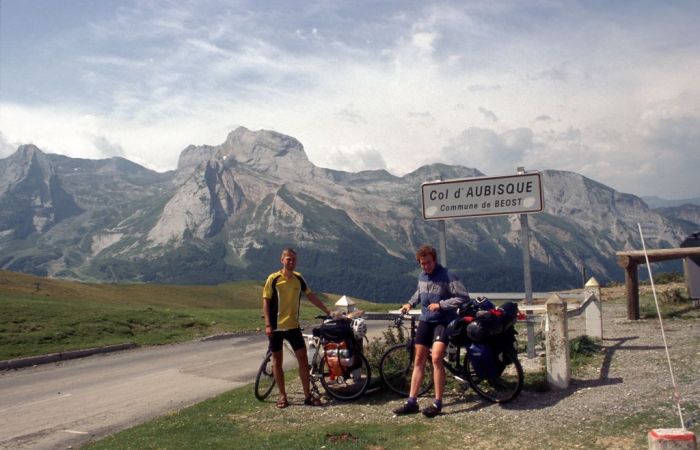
{"x":441,"y":287}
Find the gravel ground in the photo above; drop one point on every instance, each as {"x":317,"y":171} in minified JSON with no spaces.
{"x":612,"y":403}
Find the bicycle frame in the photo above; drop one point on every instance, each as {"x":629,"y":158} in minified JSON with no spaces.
{"x":314,"y":361}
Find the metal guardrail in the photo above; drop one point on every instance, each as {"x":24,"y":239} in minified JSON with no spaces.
{"x":535,"y":313}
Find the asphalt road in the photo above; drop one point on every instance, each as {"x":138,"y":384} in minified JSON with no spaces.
{"x":69,"y":403}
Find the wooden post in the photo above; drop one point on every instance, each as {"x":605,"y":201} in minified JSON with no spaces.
{"x":557,"y":344}
{"x":631,"y":285}
{"x":594,"y":311}
{"x":630,"y":259}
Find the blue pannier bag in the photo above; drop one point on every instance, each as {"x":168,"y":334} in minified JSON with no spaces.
{"x":483,"y":361}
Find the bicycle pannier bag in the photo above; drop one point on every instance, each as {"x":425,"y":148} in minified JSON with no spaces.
{"x":337,"y":357}
{"x":483,"y":361}
{"x":346,"y":356}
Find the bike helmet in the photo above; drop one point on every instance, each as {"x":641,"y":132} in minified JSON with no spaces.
{"x":476,"y":331}
{"x":484,"y":303}
{"x":359,"y":328}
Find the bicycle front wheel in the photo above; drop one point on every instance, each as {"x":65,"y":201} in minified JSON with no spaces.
{"x":264,"y":380}
{"x":348,"y":386}
{"x":396,"y":370}
{"x":502,"y":388}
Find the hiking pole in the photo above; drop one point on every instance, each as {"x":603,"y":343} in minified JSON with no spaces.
{"x":676,"y":394}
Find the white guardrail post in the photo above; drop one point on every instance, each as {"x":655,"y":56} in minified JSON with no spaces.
{"x":557,"y":343}
{"x":594,"y":310}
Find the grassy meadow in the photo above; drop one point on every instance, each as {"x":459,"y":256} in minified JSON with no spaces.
{"x":42,"y":315}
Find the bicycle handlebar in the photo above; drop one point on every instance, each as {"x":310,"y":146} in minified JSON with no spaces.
{"x":404,"y":315}
{"x":398,"y":321}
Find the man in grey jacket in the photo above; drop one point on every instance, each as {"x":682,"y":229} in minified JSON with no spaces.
{"x":440,"y":294}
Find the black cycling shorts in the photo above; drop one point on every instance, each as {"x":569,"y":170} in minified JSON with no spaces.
{"x":429,"y":332}
{"x":294,"y":337}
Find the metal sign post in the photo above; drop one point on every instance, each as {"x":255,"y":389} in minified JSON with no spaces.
{"x":443,"y":243}
{"x":527,"y":278}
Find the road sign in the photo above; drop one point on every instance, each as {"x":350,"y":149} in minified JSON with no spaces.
{"x":483,"y":196}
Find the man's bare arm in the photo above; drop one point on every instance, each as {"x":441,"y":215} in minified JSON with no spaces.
{"x":266,"y":314}
{"x":318,"y":303}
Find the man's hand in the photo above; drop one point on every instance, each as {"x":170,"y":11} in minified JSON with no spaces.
{"x":268,"y":330}
{"x":433,"y":307}
{"x":405,"y":308}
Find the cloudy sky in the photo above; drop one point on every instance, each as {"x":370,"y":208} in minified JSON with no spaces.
{"x":607,"y":89}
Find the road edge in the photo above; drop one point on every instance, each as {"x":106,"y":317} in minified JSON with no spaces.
{"x":28,"y":361}
{"x":19,"y":363}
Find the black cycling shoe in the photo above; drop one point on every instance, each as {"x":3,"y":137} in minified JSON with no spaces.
{"x":431,"y":411}
{"x":407,"y":408}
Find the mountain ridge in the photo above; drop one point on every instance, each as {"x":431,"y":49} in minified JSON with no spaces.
{"x":227,"y":210}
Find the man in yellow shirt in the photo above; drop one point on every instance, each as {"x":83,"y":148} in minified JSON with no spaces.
{"x":281,"y":304}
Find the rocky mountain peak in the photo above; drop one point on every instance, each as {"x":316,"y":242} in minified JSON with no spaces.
{"x":27,"y":159}
{"x":265,"y":150}
{"x":27,"y":152}
{"x":30,"y":154}
{"x":33,"y":198}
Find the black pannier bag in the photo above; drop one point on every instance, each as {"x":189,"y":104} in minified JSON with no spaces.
{"x":489,"y":325}
{"x":337,"y":330}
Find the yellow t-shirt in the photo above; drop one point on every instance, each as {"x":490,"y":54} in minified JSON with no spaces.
{"x":285,"y":299}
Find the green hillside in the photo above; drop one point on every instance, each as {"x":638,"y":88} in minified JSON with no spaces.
{"x":42,"y":315}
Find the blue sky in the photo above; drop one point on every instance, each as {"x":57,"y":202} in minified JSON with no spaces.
{"x":606,"y":89}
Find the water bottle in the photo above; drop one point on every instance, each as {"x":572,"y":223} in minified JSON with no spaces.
{"x":310,"y":352}
{"x":451,"y":352}
{"x":345,"y":357}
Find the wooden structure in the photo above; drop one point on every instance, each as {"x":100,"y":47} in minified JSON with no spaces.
{"x":631,"y":259}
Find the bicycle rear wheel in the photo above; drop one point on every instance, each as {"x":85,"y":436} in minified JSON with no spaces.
{"x":348,"y":386}
{"x":396,"y":369}
{"x":264,"y":380}
{"x":501,"y":389}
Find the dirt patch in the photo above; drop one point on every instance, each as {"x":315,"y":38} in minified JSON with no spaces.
{"x":342,"y":437}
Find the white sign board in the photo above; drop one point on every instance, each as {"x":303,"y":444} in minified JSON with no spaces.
{"x":482,"y":196}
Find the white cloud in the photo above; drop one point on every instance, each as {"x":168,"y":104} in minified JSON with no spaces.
{"x":354,"y":158}
{"x":351,"y":115}
{"x":424,"y":42}
{"x":491,"y":152}
{"x":68,"y":132}
{"x":107,"y":147}
{"x":6,"y":148}
{"x":488,"y":114}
